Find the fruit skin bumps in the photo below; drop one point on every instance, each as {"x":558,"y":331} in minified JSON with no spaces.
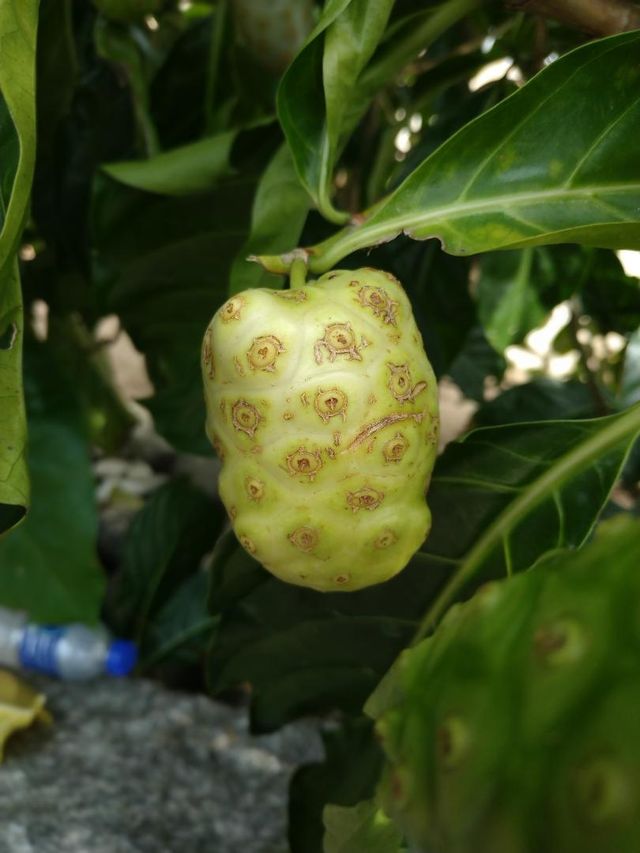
{"x":322,"y":406}
{"x":516,"y":727}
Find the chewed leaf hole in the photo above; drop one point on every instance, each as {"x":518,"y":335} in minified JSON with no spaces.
{"x":8,"y":336}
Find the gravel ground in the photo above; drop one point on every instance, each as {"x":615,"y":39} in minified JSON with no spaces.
{"x":131,"y":767}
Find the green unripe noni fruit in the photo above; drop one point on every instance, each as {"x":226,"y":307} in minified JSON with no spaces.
{"x":516,"y":727}
{"x":128,"y":11}
{"x":322,"y":405}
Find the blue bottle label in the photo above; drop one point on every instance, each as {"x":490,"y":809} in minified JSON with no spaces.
{"x":38,"y":648}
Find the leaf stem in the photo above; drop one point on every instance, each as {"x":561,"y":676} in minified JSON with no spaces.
{"x":622,"y":427}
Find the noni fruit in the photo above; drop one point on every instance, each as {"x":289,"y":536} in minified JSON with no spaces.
{"x":322,"y":406}
{"x":273,"y":30}
{"x":516,"y":727}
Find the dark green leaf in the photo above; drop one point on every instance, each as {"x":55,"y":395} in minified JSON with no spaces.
{"x":162,"y":264}
{"x":542,"y":399}
{"x":476,"y":361}
{"x":164,"y":548}
{"x":536,"y":169}
{"x":48,"y":566}
{"x":348,"y":775}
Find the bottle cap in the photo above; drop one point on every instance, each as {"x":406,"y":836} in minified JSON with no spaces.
{"x":121,"y":657}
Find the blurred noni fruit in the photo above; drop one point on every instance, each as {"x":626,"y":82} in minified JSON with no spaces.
{"x":273,"y":30}
{"x":322,"y":405}
{"x":516,"y":727}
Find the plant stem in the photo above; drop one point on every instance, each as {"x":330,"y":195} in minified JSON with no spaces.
{"x":298,"y":273}
{"x":599,"y":17}
{"x":622,"y":428}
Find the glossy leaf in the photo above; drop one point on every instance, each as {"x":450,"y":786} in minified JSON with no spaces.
{"x":542,"y":399}
{"x":18,"y":24}
{"x":190,"y":168}
{"x":54,"y":551}
{"x":500,"y":499}
{"x":536,"y":169}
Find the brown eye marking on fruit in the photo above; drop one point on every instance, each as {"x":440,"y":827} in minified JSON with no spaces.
{"x":390,"y":277}
{"x":223,"y":408}
{"x":331,"y":453}
{"x":247,"y":544}
{"x":339,"y":339}
{"x":207,"y":355}
{"x":395,"y":448}
{"x":245,"y":417}
{"x":452,"y":742}
{"x":238,"y":365}
{"x":332,"y":275}
{"x":386,"y":539}
{"x":304,"y":399}
{"x":330,"y":404}
{"x":400,"y":383}
{"x":380,"y":303}
{"x":342,"y":579}
{"x":255,"y":488}
{"x":372,"y":399}
{"x":288,"y":416}
{"x":232,"y":309}
{"x":337,"y":438}
{"x":303,"y":462}
{"x":291,"y":295}
{"x":304,"y":538}
{"x":365,"y":498}
{"x":371,"y":429}
{"x":263,"y":353}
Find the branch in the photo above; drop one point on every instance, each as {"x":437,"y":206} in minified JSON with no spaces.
{"x":598,"y":17}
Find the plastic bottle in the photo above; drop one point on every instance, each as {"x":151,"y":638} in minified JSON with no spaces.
{"x":73,"y":652}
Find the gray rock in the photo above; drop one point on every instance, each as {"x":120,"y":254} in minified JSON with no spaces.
{"x":130,"y":767}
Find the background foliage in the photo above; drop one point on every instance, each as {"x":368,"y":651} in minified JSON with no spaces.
{"x":170,"y":147}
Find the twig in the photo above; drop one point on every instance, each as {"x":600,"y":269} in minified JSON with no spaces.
{"x":598,"y":17}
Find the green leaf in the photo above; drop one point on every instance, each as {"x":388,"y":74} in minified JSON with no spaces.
{"x":476,"y":361}
{"x":18,"y":24}
{"x":536,"y":169}
{"x":188,"y":169}
{"x":162,"y":264}
{"x":349,"y":773}
{"x":541,"y":399}
{"x":363,"y":828}
{"x":164,"y":547}
{"x":49,"y":566}
{"x":14,"y":480}
{"x":329,"y":85}
{"x":509,"y":305}
{"x":538,"y":485}
{"x":500,"y":499}
{"x":280,"y":208}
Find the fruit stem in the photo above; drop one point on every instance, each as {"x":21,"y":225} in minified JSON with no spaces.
{"x":298,"y":273}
